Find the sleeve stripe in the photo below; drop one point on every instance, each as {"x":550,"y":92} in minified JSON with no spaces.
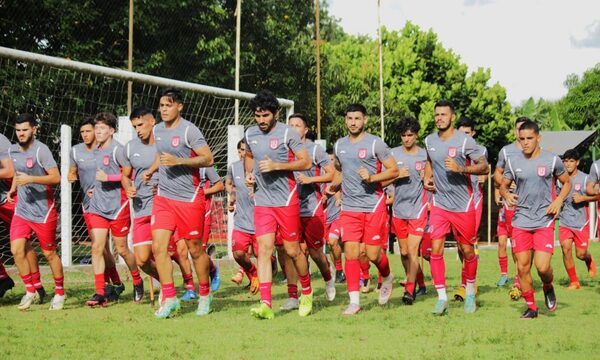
{"x":185,"y":137}
{"x":463,"y":146}
{"x":373,"y":147}
{"x":511,"y":169}
{"x":37,"y":157}
{"x":285,"y":135}
{"x":553,"y":165}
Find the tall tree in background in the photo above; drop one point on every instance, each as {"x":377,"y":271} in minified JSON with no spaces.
{"x":580,"y":108}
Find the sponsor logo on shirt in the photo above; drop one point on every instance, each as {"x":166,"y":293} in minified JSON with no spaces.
{"x":452,"y":151}
{"x":419,"y":165}
{"x":29,"y":162}
{"x":106,"y":160}
{"x":136,"y":155}
{"x":541,"y":171}
{"x":273,"y":143}
{"x":577,"y":187}
{"x":550,"y":246}
{"x":362,"y":153}
{"x":175,"y":141}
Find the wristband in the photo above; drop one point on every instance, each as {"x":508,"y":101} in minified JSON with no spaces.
{"x":113,"y":177}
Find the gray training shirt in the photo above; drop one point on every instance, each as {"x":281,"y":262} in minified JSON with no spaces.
{"x":4,"y":184}
{"x":575,"y":216}
{"x":141,"y":157}
{"x":311,"y":194}
{"x":477,"y":190}
{"x":594,"y":176}
{"x":410,"y":200}
{"x":332,"y":211}
{"x":85,"y":162}
{"x":243,"y":216}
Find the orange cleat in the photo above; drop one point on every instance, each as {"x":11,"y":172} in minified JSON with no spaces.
{"x":592,"y":269}
{"x":237,"y":278}
{"x":574,"y":286}
{"x":254,"y":286}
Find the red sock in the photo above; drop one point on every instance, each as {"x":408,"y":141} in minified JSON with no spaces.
{"x":253,"y":271}
{"x":572,"y":274}
{"x":338,"y":265}
{"x":99,"y":283}
{"x":409,"y":287}
{"x":188,"y":280}
{"x":59,"y":285}
{"x":265,"y":293}
{"x":137,"y":279}
{"x":35,"y":278}
{"x":503,"y":262}
{"x":383,"y":265}
{"x":3,"y":273}
{"x":438,"y":270}
{"x":327,"y":274}
{"x":305,"y":283}
{"x":114,"y":275}
{"x":463,"y":274}
{"x":28,"y":282}
{"x":352,"y":274}
{"x":529,"y":299}
{"x":470,"y":266}
{"x":204,"y":288}
{"x":364,"y":268}
{"x":292,"y":291}
{"x":420,"y":278}
{"x":168,"y":291}
{"x":517,"y":282}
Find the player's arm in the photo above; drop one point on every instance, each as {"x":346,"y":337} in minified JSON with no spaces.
{"x":12,"y":190}
{"x":504,"y":190}
{"x":215,"y":188}
{"x":301,"y":162}
{"x":324,"y":178}
{"x":403,"y":172}
{"x":7,"y":170}
{"x":126,"y":173}
{"x":391,"y":172}
{"x":203,"y":158}
{"x":480,"y":167}
{"x":72,"y":175}
{"x":389,"y":200}
{"x":557,"y":204}
{"x":147,"y":175}
{"x":428,"y":183}
{"x":52,"y":177}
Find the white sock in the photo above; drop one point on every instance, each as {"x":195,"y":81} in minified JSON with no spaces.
{"x":388,"y":279}
{"x":330,"y":283}
{"x":442,"y":294}
{"x":470,"y":289}
{"x":354,"y":297}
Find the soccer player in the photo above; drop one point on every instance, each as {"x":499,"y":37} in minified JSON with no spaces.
{"x":83,"y":167}
{"x":179,"y":202}
{"x":409,"y":209}
{"x":361,"y":157}
{"x":274,"y":153}
{"x":109,"y":208}
{"x":7,"y":208}
{"x":332,"y":227}
{"x":574,"y":220}
{"x":534,"y":171}
{"x":242,"y":206}
{"x":506,"y":213}
{"x":452,"y":157}
{"x":212,"y":183}
{"x":36,"y":173}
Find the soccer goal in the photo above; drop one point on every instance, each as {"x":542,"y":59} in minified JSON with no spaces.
{"x":60,"y":93}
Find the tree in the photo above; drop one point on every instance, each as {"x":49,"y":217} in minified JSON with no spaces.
{"x":544,"y":112}
{"x":580,"y":108}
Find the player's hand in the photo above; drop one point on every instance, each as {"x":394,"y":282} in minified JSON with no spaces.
{"x":403,"y":172}
{"x":231,"y":203}
{"x":101,"y":175}
{"x":9,"y":196}
{"x":131,"y":192}
{"x":22,"y":179}
{"x":267,"y":165}
{"x":481,"y":179}
{"x":555,"y":206}
{"x":498,"y":199}
{"x":304,"y":180}
{"x":72,"y":177}
{"x":578,"y":198}
{"x":168,"y":160}
{"x":154,"y":190}
{"x":338,"y":202}
{"x":451,"y":165}
{"x":330,"y":190}
{"x":511,"y":199}
{"x":250,"y":180}
{"x":90,"y":193}
{"x":429,"y":185}
{"x":146,"y":177}
{"x":364,"y":174}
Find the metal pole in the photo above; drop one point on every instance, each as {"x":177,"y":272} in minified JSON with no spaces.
{"x":318,"y":45}
{"x":380,"y":68}
{"x":66,"y":218}
{"x":238,"y":26}
{"x":130,"y":59}
{"x":489,"y":205}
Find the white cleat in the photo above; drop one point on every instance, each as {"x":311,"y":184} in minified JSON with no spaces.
{"x":330,"y":290}
{"x":290,"y":304}
{"x":27,"y":300}
{"x":58,"y":302}
{"x":386,"y":290}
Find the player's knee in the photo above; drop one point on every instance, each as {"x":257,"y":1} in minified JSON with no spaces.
{"x":50,"y":255}
{"x":580,"y":253}
{"x":239,"y":255}
{"x":97,"y":248}
{"x":17,"y":251}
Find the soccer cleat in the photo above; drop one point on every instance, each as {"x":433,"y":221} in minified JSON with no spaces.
{"x":237,"y":278}
{"x":407,"y":298}
{"x":262,"y":312}
{"x":189,"y":295}
{"x":550,"y":299}
{"x":502,"y":281}
{"x":138,"y":292}
{"x":365,"y":286}
{"x":470,"y":304}
{"x":215,"y":279}
{"x":290,"y":304}
{"x":378,"y":287}
{"x":108,"y":291}
{"x":116,"y":293}
{"x":340,"y":277}
{"x":529,"y":314}
{"x":168,"y":308}
{"x":254,"y":286}
{"x":97,"y":300}
{"x":330,"y":290}
{"x":460,"y":294}
{"x":440,"y":308}
{"x":386,"y":290}
{"x":574,"y":285}
{"x":5,"y":285}
{"x":28,"y":299}
{"x":352,"y":309}
{"x":204,"y":305}
{"x":211,"y":249}
{"x":58,"y":302}
{"x":592,"y":269}
{"x":421,"y":292}
{"x":515,"y":293}
{"x":306,"y":304}
{"x":41,"y":295}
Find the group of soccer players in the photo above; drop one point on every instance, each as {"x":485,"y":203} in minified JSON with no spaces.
{"x":290,"y":197}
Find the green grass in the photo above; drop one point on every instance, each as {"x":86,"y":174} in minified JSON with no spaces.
{"x":125,"y":330}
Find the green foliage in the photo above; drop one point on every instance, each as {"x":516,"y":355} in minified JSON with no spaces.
{"x":580,"y":108}
{"x":545,"y":113}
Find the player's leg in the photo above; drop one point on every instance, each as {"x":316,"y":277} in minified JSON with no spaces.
{"x":352,"y":270}
{"x":6,"y":282}
{"x":46,"y":234}
{"x":313,"y":231}
{"x":241,"y":244}
{"x":99,"y":240}
{"x":523,"y":246}
{"x":32,"y":258}
{"x":365,"y":275}
{"x":17,"y":248}
{"x":581,"y":250}
{"x":291,"y":275}
{"x":502,"y":260}
{"x":266,"y":243}
{"x":440,"y":225}
{"x":566,"y":245}
{"x":542,"y":261}
{"x":213,"y":268}
{"x":182,"y":258}
{"x":335,"y":251}
{"x":412,"y":246}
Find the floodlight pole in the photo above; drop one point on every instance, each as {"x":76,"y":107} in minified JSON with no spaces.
{"x":130,"y":59}
{"x":380,"y":69}
{"x":318,"y":45}
{"x":238,"y":26}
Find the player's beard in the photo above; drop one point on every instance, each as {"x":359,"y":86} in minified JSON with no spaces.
{"x":27,"y":141}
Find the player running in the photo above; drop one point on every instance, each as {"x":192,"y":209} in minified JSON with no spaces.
{"x":212,"y":183}
{"x":332,"y":227}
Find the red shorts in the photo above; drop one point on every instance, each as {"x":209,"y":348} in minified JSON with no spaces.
{"x":86,"y":220}
{"x":363,"y":227}
{"x":313,"y":231}
{"x":186,"y":217}
{"x":283,"y":221}
{"x":46,"y":232}
{"x":142,"y":231}
{"x":332,"y":230}
{"x":425,"y":247}
{"x":119,"y":227}
{"x":478,"y":215}
{"x":539,"y":239}
{"x":505,"y":222}
{"x":207,"y":221}
{"x":242,"y":241}
{"x":7,"y":211}
{"x":404,"y":227}
{"x":580,"y":237}
{"x":462,"y":223}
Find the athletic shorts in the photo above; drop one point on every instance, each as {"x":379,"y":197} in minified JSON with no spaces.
{"x":7,"y":211}
{"x":332,"y":230}
{"x":207,"y":221}
{"x":242,"y":241}
{"x":282,"y":221}
{"x":46,"y":232}
{"x":86,"y":220}
{"x":505,"y":217}
{"x":478,"y":215}
{"x":580,"y":237}
{"x":425,"y":247}
{"x":186,"y":217}
{"x":364,"y":227}
{"x":119,"y":227}
{"x":539,"y":239}
{"x":404,"y":227}
{"x":142,"y":231}
{"x":462,"y":223}
{"x":313,"y":230}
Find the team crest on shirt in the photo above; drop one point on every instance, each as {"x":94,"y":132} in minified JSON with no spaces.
{"x":175,"y":141}
{"x":362,"y":153}
{"x":452,"y":151}
{"x":541,"y":171}
{"x":29,"y":162}
{"x":419,"y":165}
{"x":577,"y":186}
{"x":273,"y":143}
{"x":106,"y":160}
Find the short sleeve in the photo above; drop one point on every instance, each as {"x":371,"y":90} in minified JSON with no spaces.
{"x":501,"y":163}
{"x":121,"y":157}
{"x":72,"y":160}
{"x":293,"y":140}
{"x":508,"y":174}
{"x":472,"y":150}
{"x":559,"y":167}
{"x":381,"y":150}
{"x":246,"y":136}
{"x":4,"y":145}
{"x":321,"y":158}
{"x":45,"y":158}
{"x":194,"y":138}
{"x":594,"y":176}
{"x":229,"y":174}
{"x":212,"y":176}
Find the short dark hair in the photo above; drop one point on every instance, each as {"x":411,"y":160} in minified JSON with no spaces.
{"x":239,"y":144}
{"x":521,"y":119}
{"x":107,"y":119}
{"x":444,"y":103}
{"x":299,"y":116}
{"x":139,"y":112}
{"x":26,"y":117}
{"x":264,"y":100}
{"x":571,"y":154}
{"x":88,"y":120}
{"x":408,"y":123}
{"x":355,"y":107}
{"x":174,"y":94}
{"x":530,"y":125}
{"x":465,"y":122}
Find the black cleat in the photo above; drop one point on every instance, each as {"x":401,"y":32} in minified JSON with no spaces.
{"x":116,"y":292}
{"x":550,"y":299}
{"x":421,"y":292}
{"x":340,"y":277}
{"x":109,"y":292}
{"x":5,"y":285}
{"x":42,"y":293}
{"x":408,"y":298}
{"x":138,"y":292}
{"x":211,"y":249}
{"x":529,"y":314}
{"x":97,"y":300}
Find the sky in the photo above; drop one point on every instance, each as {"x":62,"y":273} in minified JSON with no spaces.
{"x":529,"y":45}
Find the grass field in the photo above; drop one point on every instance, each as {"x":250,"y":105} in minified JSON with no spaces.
{"x":126,"y":330}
